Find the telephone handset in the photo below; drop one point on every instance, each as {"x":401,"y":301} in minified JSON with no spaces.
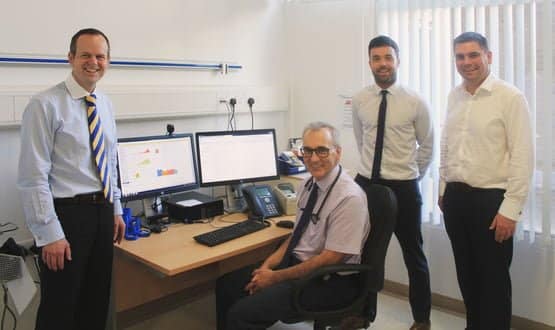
{"x":261,"y":201}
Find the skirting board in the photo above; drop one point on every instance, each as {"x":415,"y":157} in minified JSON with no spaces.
{"x":455,"y":305}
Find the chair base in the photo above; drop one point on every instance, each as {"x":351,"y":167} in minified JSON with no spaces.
{"x":347,"y":323}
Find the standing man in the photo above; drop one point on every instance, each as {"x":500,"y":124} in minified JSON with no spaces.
{"x":394,"y":135}
{"x":331,"y":228}
{"x":68,"y":184}
{"x":487,"y":159}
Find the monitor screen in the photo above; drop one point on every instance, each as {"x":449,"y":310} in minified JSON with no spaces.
{"x":231,"y":157}
{"x":151,"y":166}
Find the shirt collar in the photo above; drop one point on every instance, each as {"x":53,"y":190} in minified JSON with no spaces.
{"x":326,"y":181}
{"x":486,"y":86}
{"x":75,"y":90}
{"x":391,"y":89}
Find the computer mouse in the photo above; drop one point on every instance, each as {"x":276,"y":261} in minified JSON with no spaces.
{"x":285,"y":224}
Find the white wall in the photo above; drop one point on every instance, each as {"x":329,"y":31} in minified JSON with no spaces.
{"x":328,"y":43}
{"x":248,"y":32}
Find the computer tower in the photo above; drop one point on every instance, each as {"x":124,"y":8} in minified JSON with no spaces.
{"x":191,"y":206}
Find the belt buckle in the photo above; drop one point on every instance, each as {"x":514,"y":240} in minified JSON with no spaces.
{"x":94,"y":197}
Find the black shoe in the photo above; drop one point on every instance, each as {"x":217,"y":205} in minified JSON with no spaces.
{"x":420,"y":326}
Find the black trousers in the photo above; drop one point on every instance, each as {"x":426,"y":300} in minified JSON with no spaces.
{"x":236,"y":310}
{"x":482,"y":263}
{"x":77,"y":297}
{"x":409,"y":234}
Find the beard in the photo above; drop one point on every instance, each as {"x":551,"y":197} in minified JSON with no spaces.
{"x":390,"y":80}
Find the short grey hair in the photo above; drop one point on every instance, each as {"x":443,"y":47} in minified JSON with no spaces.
{"x":318,"y":125}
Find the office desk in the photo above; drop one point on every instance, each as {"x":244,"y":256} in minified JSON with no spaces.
{"x":163,"y":264}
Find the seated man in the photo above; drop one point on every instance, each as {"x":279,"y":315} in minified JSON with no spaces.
{"x":332,"y":226}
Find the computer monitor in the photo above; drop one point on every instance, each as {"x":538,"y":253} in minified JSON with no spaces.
{"x":152,"y":166}
{"x":234,"y":157}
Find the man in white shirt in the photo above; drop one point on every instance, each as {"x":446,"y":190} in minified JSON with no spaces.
{"x":394,"y":135}
{"x":487,"y":159}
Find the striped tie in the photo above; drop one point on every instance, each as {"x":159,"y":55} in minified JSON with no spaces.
{"x":97,"y":143}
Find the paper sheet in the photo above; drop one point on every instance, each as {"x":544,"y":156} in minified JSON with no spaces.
{"x":189,"y":202}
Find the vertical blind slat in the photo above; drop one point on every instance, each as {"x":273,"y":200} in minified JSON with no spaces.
{"x":533,"y":216}
{"x":547,"y":118}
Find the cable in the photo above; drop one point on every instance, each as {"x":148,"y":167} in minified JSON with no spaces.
{"x":232,"y":103}
{"x":14,"y":228}
{"x":156,"y":203}
{"x":228,"y":113}
{"x":230,"y":116}
{"x":250,"y":102}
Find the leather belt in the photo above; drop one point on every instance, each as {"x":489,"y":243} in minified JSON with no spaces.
{"x":91,"y":198}
{"x":463,"y":187}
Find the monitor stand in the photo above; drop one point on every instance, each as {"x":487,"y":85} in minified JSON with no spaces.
{"x":150,"y":212}
{"x":234,"y":199}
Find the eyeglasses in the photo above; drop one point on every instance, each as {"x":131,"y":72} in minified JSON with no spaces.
{"x":321,"y":152}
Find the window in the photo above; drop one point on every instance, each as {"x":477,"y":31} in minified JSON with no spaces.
{"x":520,"y":34}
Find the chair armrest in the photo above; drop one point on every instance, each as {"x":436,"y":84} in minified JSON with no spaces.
{"x":366,"y":273}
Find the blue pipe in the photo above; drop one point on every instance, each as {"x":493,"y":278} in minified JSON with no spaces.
{"x":30,"y":60}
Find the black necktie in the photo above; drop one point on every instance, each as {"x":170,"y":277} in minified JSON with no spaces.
{"x":301,"y":226}
{"x":379,"y":137}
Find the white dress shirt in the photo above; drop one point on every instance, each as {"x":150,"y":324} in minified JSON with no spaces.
{"x":408,"y":139}
{"x":487,"y":142}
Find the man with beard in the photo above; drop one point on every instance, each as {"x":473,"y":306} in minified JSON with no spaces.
{"x":394,"y":135}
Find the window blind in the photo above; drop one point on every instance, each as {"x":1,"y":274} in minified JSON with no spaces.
{"x":520,"y":35}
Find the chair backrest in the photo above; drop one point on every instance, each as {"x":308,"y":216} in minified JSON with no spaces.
{"x":382,"y":205}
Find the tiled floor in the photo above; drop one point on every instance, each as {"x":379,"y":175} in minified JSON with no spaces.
{"x":393,"y":314}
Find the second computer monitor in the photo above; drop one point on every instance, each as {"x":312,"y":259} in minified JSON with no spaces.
{"x":231,"y":157}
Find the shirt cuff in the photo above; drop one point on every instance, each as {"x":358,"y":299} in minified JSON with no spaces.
{"x":117,"y":207}
{"x":510,"y":209}
{"x":48,"y":233}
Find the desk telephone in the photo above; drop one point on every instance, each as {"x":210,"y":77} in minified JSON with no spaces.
{"x":261,"y":201}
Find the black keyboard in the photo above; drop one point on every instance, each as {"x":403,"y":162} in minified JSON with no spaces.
{"x":228,"y":233}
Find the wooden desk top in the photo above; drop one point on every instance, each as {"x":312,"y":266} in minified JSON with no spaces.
{"x":175,"y":251}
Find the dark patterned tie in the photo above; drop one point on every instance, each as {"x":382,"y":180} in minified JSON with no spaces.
{"x":301,"y":226}
{"x":97,"y":144}
{"x":379,"y":137}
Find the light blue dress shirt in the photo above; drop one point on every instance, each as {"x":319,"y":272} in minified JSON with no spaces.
{"x":56,"y":159}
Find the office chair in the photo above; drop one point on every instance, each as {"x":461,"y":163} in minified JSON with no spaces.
{"x":383,"y":214}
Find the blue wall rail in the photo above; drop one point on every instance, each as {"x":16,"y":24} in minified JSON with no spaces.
{"x":223,"y":67}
